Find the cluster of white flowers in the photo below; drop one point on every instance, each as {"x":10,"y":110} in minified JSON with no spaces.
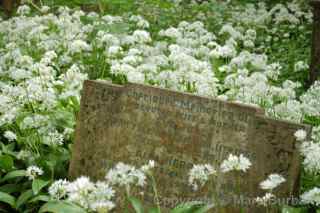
{"x":126,"y":175}
{"x":311,"y":100}
{"x":300,"y":135}
{"x":259,"y":15}
{"x":311,"y":197}
{"x":58,"y":190}
{"x":43,"y":60}
{"x":33,"y":172}
{"x":301,"y":66}
{"x":24,"y":10}
{"x":96,"y":197}
{"x":272,"y":182}
{"x":139,"y":21}
{"x":315,"y":136}
{"x":200,"y":174}
{"x":40,"y":76}
{"x":310,"y":150}
{"x":53,"y":139}
{"x":178,"y":65}
{"x":11,"y":136}
{"x":182,"y":62}
{"x":235,"y":163}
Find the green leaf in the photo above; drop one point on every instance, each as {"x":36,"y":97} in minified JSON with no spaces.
{"x":288,"y":209}
{"x":8,"y":149}
{"x":6,"y":162}
{"x":204,"y":209}
{"x":38,"y":184}
{"x":13,"y":174}
{"x":189,"y":207}
{"x":10,"y":188}
{"x":136,"y":204}
{"x":6,"y":198}
{"x":44,"y":198}
{"x":117,"y":28}
{"x":23,"y":198}
{"x":153,"y":210}
{"x":61,"y":207}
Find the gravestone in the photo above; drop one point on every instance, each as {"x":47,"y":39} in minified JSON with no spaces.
{"x":134,"y":123}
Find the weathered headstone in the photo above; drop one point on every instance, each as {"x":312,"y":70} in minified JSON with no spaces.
{"x":134,"y":123}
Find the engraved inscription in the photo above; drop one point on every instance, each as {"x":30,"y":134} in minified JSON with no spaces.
{"x":135,"y":123}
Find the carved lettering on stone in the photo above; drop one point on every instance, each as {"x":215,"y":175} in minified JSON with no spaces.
{"x":134,"y":123}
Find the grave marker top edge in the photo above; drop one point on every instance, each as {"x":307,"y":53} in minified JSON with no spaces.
{"x":259,"y":112}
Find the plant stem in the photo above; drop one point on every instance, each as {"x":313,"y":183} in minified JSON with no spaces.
{"x":239,"y":191}
{"x":101,"y":8}
{"x":35,"y":6}
{"x":216,"y":200}
{"x":156,"y":195}
{"x":127,"y":199}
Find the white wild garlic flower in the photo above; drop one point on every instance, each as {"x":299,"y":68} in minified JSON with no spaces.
{"x":125,"y":175}
{"x":11,"y":136}
{"x":272,"y":182}
{"x":58,"y":189}
{"x":79,"y":191}
{"x":200,"y":174}
{"x":311,"y":197}
{"x":235,"y":163}
{"x":33,"y":171}
{"x":147,"y":168}
{"x":310,"y":151}
{"x":101,"y":197}
{"x":91,"y":196}
{"x":300,"y":135}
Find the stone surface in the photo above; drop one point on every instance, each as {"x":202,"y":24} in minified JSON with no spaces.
{"x":135,"y":123}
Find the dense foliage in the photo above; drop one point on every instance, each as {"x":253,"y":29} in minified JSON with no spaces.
{"x":255,"y":53}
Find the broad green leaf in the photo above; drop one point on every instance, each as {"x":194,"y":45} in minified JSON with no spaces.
{"x":136,"y":204}
{"x":6,"y":162}
{"x":13,"y":174}
{"x":205,"y":209}
{"x":7,"y":198}
{"x":118,"y":28}
{"x":189,"y":207}
{"x":38,"y":184}
{"x":63,"y":118}
{"x":10,"y":188}
{"x":8,"y":149}
{"x":61,"y":207}
{"x":44,"y":198}
{"x":153,"y":210}
{"x":23,"y":198}
{"x":288,"y":209}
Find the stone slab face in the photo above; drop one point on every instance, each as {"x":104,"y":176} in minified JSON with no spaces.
{"x":134,"y":123}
